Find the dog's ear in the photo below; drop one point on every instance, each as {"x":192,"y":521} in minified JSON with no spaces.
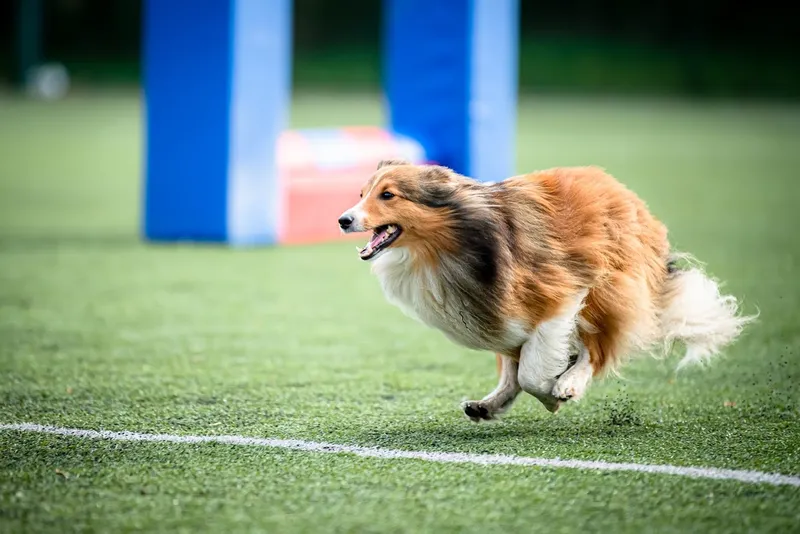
{"x":439,"y":174}
{"x":390,"y":162}
{"x":437,"y":186}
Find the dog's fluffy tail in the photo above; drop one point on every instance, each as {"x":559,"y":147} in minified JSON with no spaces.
{"x":695,"y":313}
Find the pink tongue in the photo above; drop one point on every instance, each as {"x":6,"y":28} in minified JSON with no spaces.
{"x":377,"y":238}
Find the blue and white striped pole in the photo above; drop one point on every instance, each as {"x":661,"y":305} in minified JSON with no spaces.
{"x":217,"y":77}
{"x":450,"y":76}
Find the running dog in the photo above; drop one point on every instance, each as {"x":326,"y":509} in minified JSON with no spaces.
{"x":562,"y":273}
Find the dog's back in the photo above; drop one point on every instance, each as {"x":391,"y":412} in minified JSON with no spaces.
{"x":592,"y":231}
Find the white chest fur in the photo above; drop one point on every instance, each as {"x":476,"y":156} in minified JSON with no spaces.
{"x":421,"y":294}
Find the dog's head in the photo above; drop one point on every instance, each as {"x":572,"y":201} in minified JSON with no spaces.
{"x":401,"y":204}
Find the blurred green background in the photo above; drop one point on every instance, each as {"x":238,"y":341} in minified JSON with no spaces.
{"x":713,"y":48}
{"x":99,"y":329}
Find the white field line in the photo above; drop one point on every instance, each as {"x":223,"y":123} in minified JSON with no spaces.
{"x":753,"y":477}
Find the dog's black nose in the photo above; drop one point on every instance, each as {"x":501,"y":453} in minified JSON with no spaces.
{"x":345,"y":221}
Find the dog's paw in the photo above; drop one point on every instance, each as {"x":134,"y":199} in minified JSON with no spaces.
{"x":572,"y":384}
{"x":477,"y":411}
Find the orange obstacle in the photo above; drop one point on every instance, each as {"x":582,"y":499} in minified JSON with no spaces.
{"x":322,"y":172}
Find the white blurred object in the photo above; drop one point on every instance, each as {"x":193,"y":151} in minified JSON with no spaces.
{"x":49,"y":81}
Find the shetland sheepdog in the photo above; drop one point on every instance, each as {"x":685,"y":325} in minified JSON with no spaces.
{"x":562,"y":273}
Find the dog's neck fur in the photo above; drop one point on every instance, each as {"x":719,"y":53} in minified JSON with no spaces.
{"x":460,"y":292}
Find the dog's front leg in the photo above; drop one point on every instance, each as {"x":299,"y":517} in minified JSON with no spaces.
{"x":574,"y":382}
{"x":499,"y":400}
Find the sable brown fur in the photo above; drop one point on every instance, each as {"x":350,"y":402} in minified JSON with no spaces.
{"x":532,"y":240}
{"x":506,"y":257}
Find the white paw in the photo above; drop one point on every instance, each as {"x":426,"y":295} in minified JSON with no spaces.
{"x":572,"y":384}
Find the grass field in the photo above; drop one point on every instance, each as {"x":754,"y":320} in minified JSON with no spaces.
{"x":101,"y":331}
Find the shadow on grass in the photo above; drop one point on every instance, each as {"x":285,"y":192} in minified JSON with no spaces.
{"x":503,"y":438}
{"x":609,"y":422}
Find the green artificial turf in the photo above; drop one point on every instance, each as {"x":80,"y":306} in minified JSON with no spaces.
{"x":99,"y":330}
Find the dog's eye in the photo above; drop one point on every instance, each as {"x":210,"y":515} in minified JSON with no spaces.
{"x":386,"y":195}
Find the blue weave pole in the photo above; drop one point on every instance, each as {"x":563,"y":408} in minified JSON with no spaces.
{"x":217,"y":76}
{"x":450,"y":77}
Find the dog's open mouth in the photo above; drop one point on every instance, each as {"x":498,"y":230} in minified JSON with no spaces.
{"x":383,"y":237}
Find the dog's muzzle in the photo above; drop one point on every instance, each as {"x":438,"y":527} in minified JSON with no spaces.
{"x":350,"y":221}
{"x":346,"y":221}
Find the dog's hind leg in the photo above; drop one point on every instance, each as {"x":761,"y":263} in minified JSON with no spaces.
{"x":546,"y":355}
{"x":499,"y":400}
